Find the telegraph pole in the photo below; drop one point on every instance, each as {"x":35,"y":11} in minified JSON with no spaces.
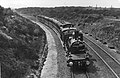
{"x":96,"y":6}
{"x":111,"y":7}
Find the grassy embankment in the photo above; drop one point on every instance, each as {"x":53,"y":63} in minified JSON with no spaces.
{"x":21,"y":44}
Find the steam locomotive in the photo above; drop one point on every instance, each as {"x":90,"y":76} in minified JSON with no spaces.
{"x":76,"y":51}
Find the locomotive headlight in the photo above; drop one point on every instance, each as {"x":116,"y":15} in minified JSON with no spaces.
{"x":70,"y":63}
{"x":87,"y":62}
{"x":79,"y":63}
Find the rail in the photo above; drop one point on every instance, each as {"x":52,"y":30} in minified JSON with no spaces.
{"x":104,"y":51}
{"x":73,"y":75}
{"x":115,"y":74}
{"x":87,"y":75}
{"x":52,"y":25}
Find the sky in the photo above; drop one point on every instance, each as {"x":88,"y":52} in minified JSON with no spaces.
{"x":57,"y":3}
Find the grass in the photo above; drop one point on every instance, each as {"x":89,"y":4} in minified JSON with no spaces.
{"x":21,"y":43}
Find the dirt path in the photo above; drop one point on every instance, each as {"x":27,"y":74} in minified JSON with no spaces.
{"x":50,"y":67}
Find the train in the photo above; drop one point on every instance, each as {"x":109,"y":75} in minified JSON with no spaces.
{"x":76,"y":52}
{"x":74,"y":45}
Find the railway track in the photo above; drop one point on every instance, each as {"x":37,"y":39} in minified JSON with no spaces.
{"x":87,"y":75}
{"x":84,"y":75}
{"x":112,"y":64}
{"x":72,"y":74}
